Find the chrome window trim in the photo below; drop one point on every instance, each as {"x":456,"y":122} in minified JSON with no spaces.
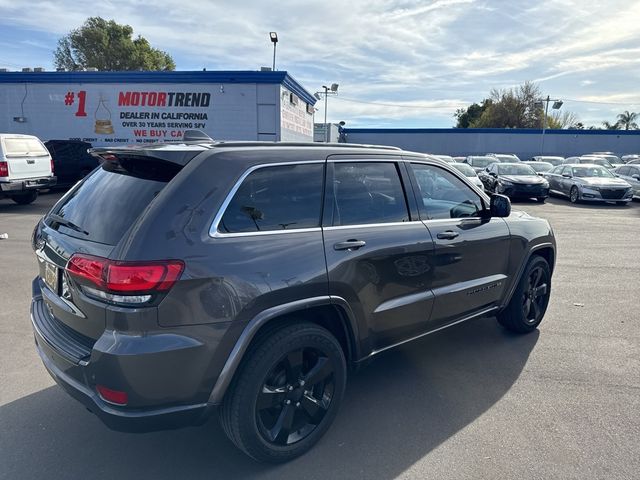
{"x":213,"y":229}
{"x":372,"y":225}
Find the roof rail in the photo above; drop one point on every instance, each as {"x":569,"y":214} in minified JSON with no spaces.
{"x":222,"y":144}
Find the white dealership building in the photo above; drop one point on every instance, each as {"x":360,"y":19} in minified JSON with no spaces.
{"x":107,"y":108}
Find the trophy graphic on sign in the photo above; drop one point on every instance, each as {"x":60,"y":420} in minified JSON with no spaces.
{"x":103,"y":118}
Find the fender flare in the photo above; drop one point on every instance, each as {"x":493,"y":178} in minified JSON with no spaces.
{"x":256,"y":323}
{"x":523,"y":265}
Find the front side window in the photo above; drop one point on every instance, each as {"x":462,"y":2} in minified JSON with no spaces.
{"x":368,"y":193}
{"x":283,"y":197}
{"x":444,"y":195}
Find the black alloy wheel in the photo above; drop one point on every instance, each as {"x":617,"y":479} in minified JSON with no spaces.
{"x":529,"y":302}
{"x":574,"y":194}
{"x":295,"y":396}
{"x":286,"y":393}
{"x":534,"y":296}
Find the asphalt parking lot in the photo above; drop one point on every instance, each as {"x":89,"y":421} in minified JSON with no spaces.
{"x":469,"y":402}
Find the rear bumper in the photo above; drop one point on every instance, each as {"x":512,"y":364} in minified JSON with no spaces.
{"x":78,"y":378}
{"x":9,"y":187}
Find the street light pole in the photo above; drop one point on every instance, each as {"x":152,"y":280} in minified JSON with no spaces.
{"x":274,"y":39}
{"x":332,"y":90}
{"x":326,"y":127}
{"x":544,"y":124}
{"x":557,"y":103}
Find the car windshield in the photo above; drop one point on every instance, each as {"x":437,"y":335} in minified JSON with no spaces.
{"x":515,"y":170}
{"x":540,"y":166}
{"x":588,"y":172}
{"x":482,"y":161}
{"x":466,"y":170}
{"x":598,"y":161}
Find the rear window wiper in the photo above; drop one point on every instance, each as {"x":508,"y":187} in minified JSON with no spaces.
{"x":58,"y":220}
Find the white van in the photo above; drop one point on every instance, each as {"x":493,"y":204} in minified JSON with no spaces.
{"x":25,"y":167}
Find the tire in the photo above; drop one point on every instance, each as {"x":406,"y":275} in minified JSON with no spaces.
{"x":25,"y":198}
{"x":529,"y":302}
{"x":574,"y":195}
{"x":542,"y":199}
{"x":268,"y":393}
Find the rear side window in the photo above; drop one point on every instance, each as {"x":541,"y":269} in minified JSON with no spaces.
{"x":111,"y":199}
{"x":15,"y":147}
{"x":368,"y":193}
{"x":284,"y":197}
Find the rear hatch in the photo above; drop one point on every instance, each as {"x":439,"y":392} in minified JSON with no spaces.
{"x":89,"y":222}
{"x":26,"y":157}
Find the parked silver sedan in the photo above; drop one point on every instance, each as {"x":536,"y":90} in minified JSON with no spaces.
{"x":588,"y":182}
{"x":631,"y":175}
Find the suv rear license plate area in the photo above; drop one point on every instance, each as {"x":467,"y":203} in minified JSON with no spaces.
{"x":51,"y":276}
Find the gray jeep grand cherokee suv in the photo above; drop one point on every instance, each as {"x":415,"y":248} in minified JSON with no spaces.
{"x":245,"y":279}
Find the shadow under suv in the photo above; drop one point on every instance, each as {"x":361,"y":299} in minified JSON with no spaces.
{"x":246,"y":279}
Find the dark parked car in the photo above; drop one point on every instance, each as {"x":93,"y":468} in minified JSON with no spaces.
{"x":588,"y":182}
{"x":516,"y":180}
{"x":71,"y":160}
{"x":251,"y":277}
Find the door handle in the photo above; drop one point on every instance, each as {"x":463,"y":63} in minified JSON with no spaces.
{"x":349,"y":245}
{"x":447,"y":235}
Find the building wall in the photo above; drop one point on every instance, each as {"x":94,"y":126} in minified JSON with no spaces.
{"x":111,"y":108}
{"x":524,"y":143}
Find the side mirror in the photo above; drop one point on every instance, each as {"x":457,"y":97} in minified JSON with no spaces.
{"x":636,"y":176}
{"x":493,"y":174}
{"x":541,"y":174}
{"x":500,"y":205}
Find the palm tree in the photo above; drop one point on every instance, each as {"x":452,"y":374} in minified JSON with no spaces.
{"x":626,"y":120}
{"x":611,"y":126}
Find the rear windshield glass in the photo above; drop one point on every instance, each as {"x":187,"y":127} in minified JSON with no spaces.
{"x":24,"y":146}
{"x":113,"y":197}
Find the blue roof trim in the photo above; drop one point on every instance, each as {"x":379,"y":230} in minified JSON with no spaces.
{"x":222,"y":76}
{"x":526,"y":131}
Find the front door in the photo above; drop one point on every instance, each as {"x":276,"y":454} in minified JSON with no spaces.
{"x":471,"y":251}
{"x":377,"y":253}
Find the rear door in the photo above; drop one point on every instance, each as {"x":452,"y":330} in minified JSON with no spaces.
{"x":470,"y":259}
{"x":26,"y":157}
{"x":376,"y":248}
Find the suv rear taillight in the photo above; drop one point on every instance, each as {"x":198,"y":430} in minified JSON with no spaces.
{"x":123,"y":282}
{"x":4,"y":169}
{"x":53,"y":170}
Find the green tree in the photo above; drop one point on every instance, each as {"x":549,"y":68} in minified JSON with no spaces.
{"x":626,"y":120}
{"x":466,"y":116}
{"x":109,"y":46}
{"x":512,"y":108}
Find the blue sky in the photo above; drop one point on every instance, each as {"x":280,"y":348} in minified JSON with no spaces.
{"x":399,"y":63}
